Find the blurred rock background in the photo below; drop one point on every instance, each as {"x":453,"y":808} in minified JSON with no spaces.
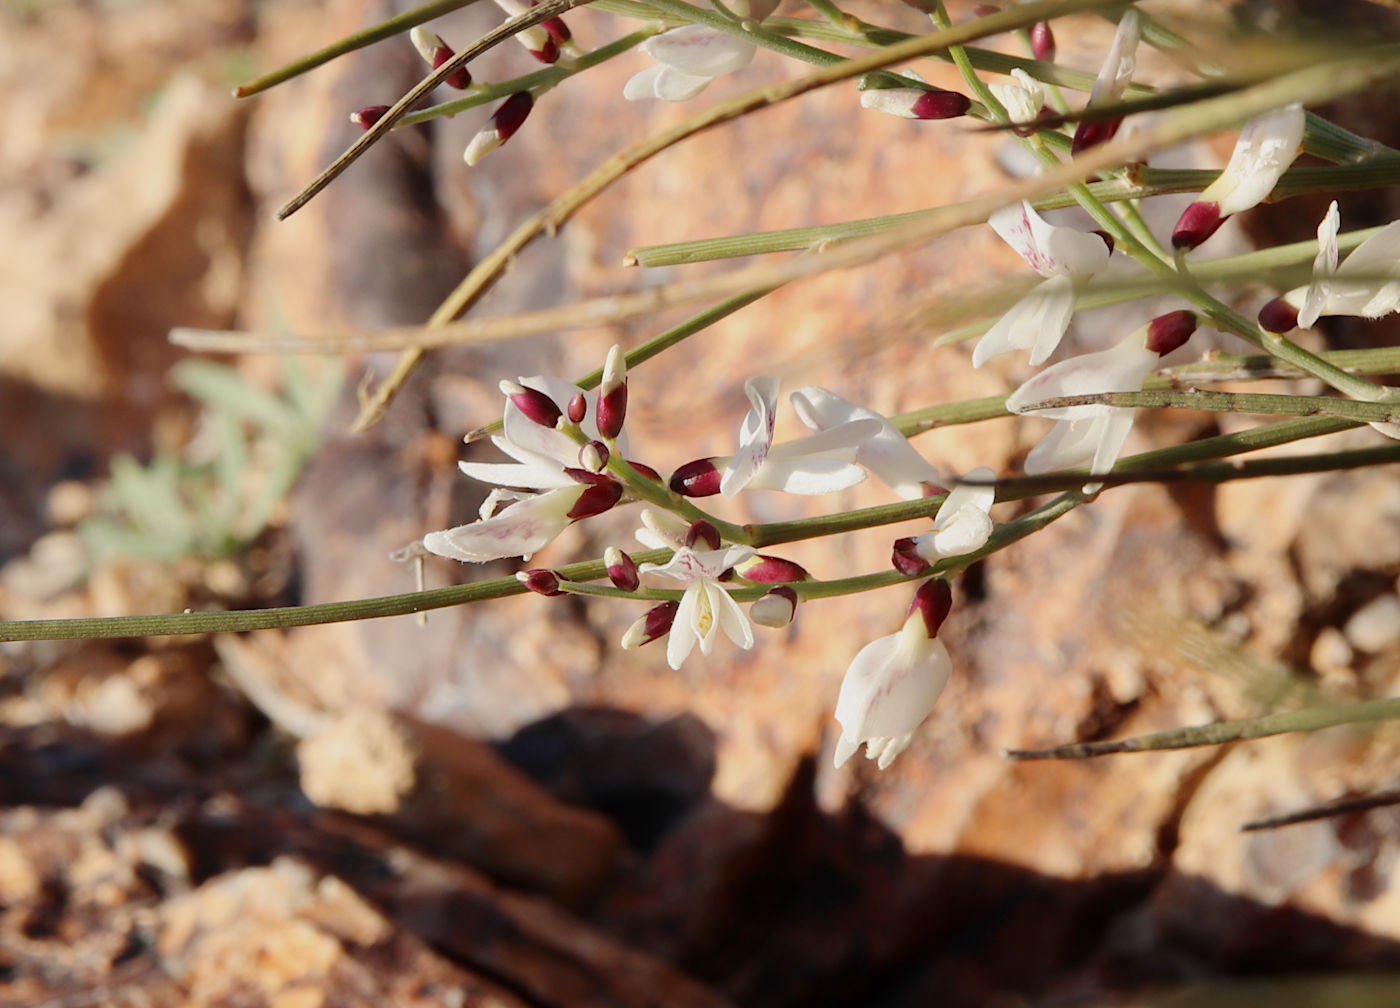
{"x":502,"y":808}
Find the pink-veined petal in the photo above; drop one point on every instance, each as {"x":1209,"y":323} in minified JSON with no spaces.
{"x":520,"y":529}
{"x":642,"y":84}
{"x":755,"y":435}
{"x":700,"y":51}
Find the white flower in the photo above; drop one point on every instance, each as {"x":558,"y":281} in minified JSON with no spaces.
{"x":887,"y":454}
{"x":1266,"y":146}
{"x":817,"y":464}
{"x":1094,"y":433}
{"x":1060,"y":254}
{"x":1114,"y":77}
{"x":705,"y":608}
{"x":1366,"y":285}
{"x":963,"y":524}
{"x":893,"y":683}
{"x":530,"y":520}
{"x":687,"y":59}
{"x":1022,"y":100}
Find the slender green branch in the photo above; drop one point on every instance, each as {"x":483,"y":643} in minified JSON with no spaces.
{"x":537,"y":83}
{"x":1220,"y":732}
{"x":375,"y":33}
{"x":1231,"y":402}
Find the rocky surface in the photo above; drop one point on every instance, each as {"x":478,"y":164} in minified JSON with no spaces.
{"x":502,"y":808}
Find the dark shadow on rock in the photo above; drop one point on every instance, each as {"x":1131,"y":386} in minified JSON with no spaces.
{"x":643,"y":775}
{"x":796,"y":908}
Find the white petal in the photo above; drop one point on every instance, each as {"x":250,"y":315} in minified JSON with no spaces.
{"x":677,"y":85}
{"x":893,"y":101}
{"x":888,"y":455}
{"x":731,"y":618}
{"x":1113,"y":432}
{"x":700,"y":51}
{"x":1028,"y":234}
{"x":1118,"y":66}
{"x":544,"y":476}
{"x":1119,"y":369}
{"x":755,"y":435}
{"x":1266,"y":147}
{"x":642,"y":84}
{"x":1324,"y":266}
{"x":520,"y":530}
{"x":662,"y":530}
{"x":891,"y":687}
{"x":807,"y":476}
{"x":1070,"y":443}
{"x":845,"y":748}
{"x":683,"y":636}
{"x":1037,"y":323}
{"x":964,"y":531}
{"x":1024,"y":99}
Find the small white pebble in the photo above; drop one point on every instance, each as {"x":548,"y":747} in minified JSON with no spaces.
{"x":1375,"y":626}
{"x":1330,"y":651}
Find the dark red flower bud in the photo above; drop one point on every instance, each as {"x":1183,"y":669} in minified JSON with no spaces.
{"x":702,"y":532}
{"x":655,"y":624}
{"x":1043,"y":42}
{"x":533,"y":403}
{"x":776,"y":608}
{"x":622,"y":569}
{"x":933,"y":601}
{"x":938,"y":104}
{"x":1091,"y":134}
{"x":368,"y":116}
{"x":437,"y":52}
{"x":1278,"y":316}
{"x":770,"y":570}
{"x":906,"y":560}
{"x":696,"y":479}
{"x":578,"y":408}
{"x":540,"y":580}
{"x":597,"y":497}
{"x":1197,"y":223}
{"x":558,"y":30}
{"x":1167,"y":332}
{"x":645,"y":470}
{"x":509,"y":116}
{"x":612,"y":394}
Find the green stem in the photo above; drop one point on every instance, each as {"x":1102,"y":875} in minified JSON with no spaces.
{"x":537,"y":83}
{"x":1231,"y":402}
{"x":1309,"y":719}
{"x":375,"y":33}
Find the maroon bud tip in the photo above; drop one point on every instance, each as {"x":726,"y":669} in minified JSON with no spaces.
{"x":1167,"y":332}
{"x":512,"y":114}
{"x":1091,"y":134}
{"x":533,"y":403}
{"x":702,"y":532}
{"x":1043,"y":42}
{"x":1107,"y":238}
{"x":932,"y":601}
{"x":906,"y":559}
{"x":540,"y":580}
{"x":656,"y":623}
{"x":1197,"y":223}
{"x":776,"y":608}
{"x":577,"y":409}
{"x":612,"y":411}
{"x":938,"y":104}
{"x":558,"y":30}
{"x":1278,"y":316}
{"x":549,"y":52}
{"x":622,"y":569}
{"x":771,"y":570}
{"x":595,"y":499}
{"x":461,"y":79}
{"x":368,"y":116}
{"x":696,"y":479}
{"x":646,"y":471}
